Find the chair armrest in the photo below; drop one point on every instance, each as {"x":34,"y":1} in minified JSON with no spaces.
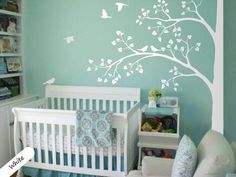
{"x":135,"y":173}
{"x":154,"y":166}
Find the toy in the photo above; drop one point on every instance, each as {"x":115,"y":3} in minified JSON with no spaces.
{"x":164,"y":154}
{"x":151,"y":125}
{"x":148,"y":152}
{"x":169,"y":122}
{"x":11,"y":27}
{"x":146,"y":127}
{"x":167,"y":155}
{"x":1,"y":45}
{"x":1,"y":28}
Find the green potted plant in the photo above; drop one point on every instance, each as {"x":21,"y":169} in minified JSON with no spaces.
{"x":153,"y":96}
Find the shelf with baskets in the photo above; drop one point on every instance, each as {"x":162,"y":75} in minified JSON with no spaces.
{"x":11,"y":64}
{"x":158,"y":132}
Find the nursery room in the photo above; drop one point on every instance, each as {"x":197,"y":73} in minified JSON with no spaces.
{"x":118,"y":87}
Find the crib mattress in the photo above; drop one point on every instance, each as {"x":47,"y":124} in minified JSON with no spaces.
{"x":73,"y":144}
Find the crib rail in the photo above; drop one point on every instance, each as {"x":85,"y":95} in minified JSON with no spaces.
{"x":41,"y":122}
{"x":117,"y":100}
{"x":131,"y":138}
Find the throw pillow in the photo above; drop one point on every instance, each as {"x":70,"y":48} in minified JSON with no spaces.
{"x":215,"y":156}
{"x":185,"y":159}
{"x":233,"y":146}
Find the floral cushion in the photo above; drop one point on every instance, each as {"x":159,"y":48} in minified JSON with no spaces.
{"x":185,"y":159}
{"x":93,"y":128}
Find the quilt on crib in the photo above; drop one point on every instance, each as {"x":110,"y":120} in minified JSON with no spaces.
{"x":93,"y":128}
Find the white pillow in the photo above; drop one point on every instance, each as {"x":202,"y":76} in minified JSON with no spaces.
{"x":233,"y":146}
{"x":185,"y":159}
{"x":215,"y":156}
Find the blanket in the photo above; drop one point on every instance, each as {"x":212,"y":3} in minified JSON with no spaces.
{"x":93,"y":128}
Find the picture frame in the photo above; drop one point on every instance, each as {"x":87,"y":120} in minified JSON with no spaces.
{"x":8,"y":45}
{"x":14,"y":65}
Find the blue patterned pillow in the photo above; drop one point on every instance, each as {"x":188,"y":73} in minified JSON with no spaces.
{"x":93,"y":128}
{"x":185,"y":159}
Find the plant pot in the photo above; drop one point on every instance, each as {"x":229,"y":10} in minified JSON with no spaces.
{"x":152,"y":102}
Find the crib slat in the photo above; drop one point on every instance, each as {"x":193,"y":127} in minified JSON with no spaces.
{"x":132,"y":104}
{"x":76,"y":156}
{"x":84,"y":103}
{"x":45,"y":142}
{"x":52,"y":103}
{"x":31,"y":137}
{"x":118,"y":106}
{"x":64,"y":103}
{"x":85,"y":157}
{"x":118,"y":156}
{"x":53,"y":144}
{"x":111,"y":106}
{"x":97,"y":104}
{"x":39,"y":142}
{"x":90,"y":104}
{"x":58,"y":103}
{"x":101,"y":158}
{"x":61,"y":145}
{"x":125,"y":108}
{"x":68,"y":146}
{"x":71,"y":104}
{"x":110,"y":158}
{"x":103,"y":105}
{"x":24,"y":134}
{"x":93,"y":158}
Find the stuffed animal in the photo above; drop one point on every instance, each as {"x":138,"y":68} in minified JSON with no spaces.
{"x":1,"y":45}
{"x":1,"y":28}
{"x":11,"y":27}
{"x":151,"y":125}
{"x":169,"y":122}
{"x":146,"y":127}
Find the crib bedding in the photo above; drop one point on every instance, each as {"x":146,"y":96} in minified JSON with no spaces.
{"x":65,"y":144}
{"x":35,"y":172}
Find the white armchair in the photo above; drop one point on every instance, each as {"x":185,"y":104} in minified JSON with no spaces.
{"x":215,"y":159}
{"x":152,"y":166}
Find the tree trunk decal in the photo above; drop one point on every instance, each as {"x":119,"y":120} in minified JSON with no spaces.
{"x":173,"y":44}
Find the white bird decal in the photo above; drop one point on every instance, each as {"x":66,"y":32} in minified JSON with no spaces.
{"x":154,"y":49}
{"x":104,"y":14}
{"x":69,"y":39}
{"x":120,"y":6}
{"x":144,"y":49}
{"x":50,"y":81}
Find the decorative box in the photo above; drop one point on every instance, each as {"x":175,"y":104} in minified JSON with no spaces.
{"x":3,"y":66}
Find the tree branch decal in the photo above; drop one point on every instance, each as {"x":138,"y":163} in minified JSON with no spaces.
{"x":176,"y":46}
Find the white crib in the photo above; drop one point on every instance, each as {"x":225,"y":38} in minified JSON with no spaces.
{"x":48,"y":125}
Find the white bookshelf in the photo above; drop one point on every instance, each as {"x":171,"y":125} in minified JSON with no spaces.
{"x":15,"y":51}
{"x":13,"y":14}
{"x":158,"y":139}
{"x":3,"y":33}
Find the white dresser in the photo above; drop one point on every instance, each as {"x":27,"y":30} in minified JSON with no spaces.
{"x":6,"y":125}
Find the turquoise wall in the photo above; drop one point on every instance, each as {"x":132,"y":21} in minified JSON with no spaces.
{"x":47,"y":54}
{"x":229,"y":69}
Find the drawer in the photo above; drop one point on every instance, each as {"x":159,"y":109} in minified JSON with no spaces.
{"x":158,"y":140}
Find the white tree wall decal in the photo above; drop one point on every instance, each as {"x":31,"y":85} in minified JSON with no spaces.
{"x":176,"y":48}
